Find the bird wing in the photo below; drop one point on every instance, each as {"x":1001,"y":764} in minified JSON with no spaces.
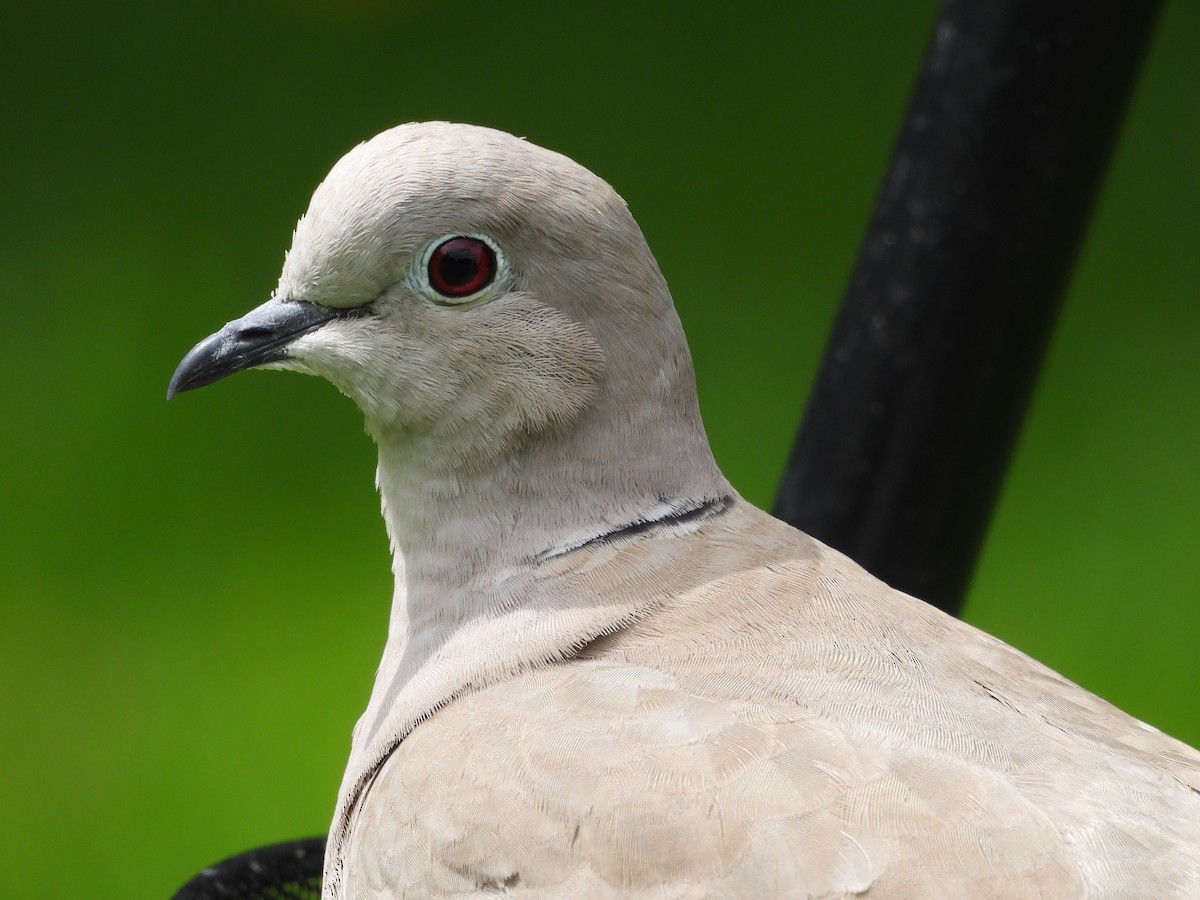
{"x":787,"y":728}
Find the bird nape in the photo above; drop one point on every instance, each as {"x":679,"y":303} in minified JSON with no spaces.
{"x":607,"y":674}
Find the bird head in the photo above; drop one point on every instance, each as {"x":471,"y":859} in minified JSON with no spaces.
{"x":459,"y":282}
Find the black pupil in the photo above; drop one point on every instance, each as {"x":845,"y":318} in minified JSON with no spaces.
{"x":459,"y":265}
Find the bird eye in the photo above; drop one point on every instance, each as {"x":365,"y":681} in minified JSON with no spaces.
{"x":461,"y":266}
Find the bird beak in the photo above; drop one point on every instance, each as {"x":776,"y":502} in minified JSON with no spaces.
{"x":261,"y":336}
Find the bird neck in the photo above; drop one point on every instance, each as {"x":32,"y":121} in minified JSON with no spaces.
{"x":458,"y":535}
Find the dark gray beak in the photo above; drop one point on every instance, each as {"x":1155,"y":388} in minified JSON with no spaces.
{"x":260,"y":336}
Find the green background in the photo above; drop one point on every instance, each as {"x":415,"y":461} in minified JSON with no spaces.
{"x":195,"y":594}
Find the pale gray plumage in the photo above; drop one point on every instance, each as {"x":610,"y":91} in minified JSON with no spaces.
{"x":709,"y":704}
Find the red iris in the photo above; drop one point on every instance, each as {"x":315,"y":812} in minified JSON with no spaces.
{"x":461,"y":266}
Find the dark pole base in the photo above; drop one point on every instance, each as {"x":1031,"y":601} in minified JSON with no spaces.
{"x":287,"y":871}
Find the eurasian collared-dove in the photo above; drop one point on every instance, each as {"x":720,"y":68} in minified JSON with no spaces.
{"x":606,"y":674}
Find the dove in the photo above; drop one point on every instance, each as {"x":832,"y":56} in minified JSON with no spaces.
{"x":606,"y":674}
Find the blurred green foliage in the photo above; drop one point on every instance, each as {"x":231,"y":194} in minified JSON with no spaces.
{"x":196,"y":594}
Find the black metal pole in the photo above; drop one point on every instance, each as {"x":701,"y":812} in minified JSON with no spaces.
{"x":927,"y":375}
